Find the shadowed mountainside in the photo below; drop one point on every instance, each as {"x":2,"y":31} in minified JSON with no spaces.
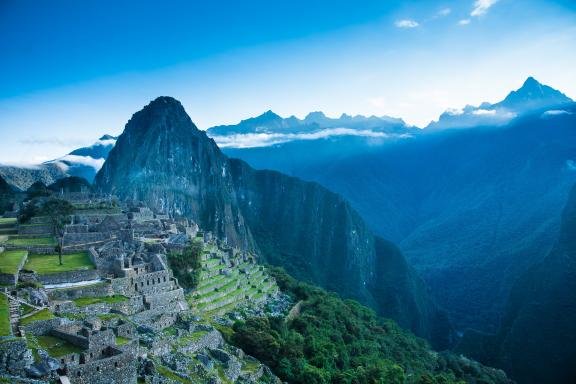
{"x":536,"y":342}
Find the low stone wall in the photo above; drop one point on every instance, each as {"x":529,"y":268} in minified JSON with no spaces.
{"x":43,"y":327}
{"x":68,"y":277}
{"x":39,"y":249}
{"x":40,"y":220}
{"x":8,"y":279}
{"x":36,"y":229}
{"x":71,"y":239}
{"x":12,"y":279}
{"x":96,"y":290}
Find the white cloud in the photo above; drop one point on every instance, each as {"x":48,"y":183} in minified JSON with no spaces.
{"x":481,"y":7}
{"x":571,"y":165}
{"x":464,"y":22}
{"x":406,"y":23}
{"x":253,"y":140}
{"x":444,"y":12}
{"x":84,"y":160}
{"x":555,"y":112}
{"x":484,"y":112}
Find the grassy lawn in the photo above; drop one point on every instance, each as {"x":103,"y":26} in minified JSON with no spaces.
{"x":44,"y":314}
{"x":122,"y":340}
{"x":57,"y":347}
{"x":84,"y":301}
{"x":7,"y":220}
{"x":23,"y":242}
{"x":9,"y":260}
{"x":46,"y":264}
{"x":4,"y":316}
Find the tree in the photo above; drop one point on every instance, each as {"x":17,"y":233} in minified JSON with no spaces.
{"x":59,"y":212}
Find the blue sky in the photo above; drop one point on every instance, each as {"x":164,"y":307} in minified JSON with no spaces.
{"x":71,"y":71}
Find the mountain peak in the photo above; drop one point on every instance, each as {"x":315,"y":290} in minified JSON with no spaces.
{"x":533,"y":95}
{"x":107,"y":137}
{"x":315,"y":115}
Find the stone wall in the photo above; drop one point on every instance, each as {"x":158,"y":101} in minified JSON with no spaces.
{"x":88,"y":237}
{"x":77,"y":340}
{"x":96,"y":290}
{"x":36,"y":229}
{"x":69,"y":277}
{"x":12,"y":279}
{"x":39,"y":249}
{"x":119,"y":369}
{"x":43,"y":327}
{"x":160,"y":300}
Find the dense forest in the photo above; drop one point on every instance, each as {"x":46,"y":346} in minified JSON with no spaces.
{"x":325,"y":339}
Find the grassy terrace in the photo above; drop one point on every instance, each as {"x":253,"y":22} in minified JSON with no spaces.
{"x":57,"y":347}
{"x":122,"y":340}
{"x":9,"y":260}
{"x":169,"y":374}
{"x":4,"y":316}
{"x":44,"y":314}
{"x":7,"y":220}
{"x":85,"y":301}
{"x":33,"y":241}
{"x":46,"y":264}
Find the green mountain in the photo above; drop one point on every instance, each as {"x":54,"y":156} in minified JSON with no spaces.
{"x":164,"y":160}
{"x":536,"y":342}
{"x":325,"y":339}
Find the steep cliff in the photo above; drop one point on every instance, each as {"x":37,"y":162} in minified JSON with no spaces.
{"x":164,"y":160}
{"x":7,"y":195}
{"x":537,"y":339}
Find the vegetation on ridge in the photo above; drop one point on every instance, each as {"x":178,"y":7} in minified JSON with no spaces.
{"x":331,"y":340}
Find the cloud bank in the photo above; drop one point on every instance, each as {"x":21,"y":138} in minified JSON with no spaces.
{"x":254,"y":140}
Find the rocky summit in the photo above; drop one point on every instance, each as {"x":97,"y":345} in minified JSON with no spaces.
{"x":161,"y":158}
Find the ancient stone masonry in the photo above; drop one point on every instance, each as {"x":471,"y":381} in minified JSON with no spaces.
{"x":116,"y":312}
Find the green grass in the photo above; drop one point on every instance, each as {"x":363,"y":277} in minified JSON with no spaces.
{"x":44,"y":314}
{"x":26,"y":309}
{"x":167,"y":373}
{"x":85,"y":301}
{"x":122,"y":340}
{"x":47,"y":264}
{"x":7,"y":220}
{"x":9,"y":260}
{"x":57,"y":347}
{"x":4,"y":316}
{"x":32,"y":241}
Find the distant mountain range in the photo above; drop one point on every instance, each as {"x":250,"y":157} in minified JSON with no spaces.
{"x":530,"y":97}
{"x":271,"y":129}
{"x":471,"y":208}
{"x":82,"y":162}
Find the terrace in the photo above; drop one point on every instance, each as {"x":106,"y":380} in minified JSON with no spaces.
{"x":48,"y":264}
